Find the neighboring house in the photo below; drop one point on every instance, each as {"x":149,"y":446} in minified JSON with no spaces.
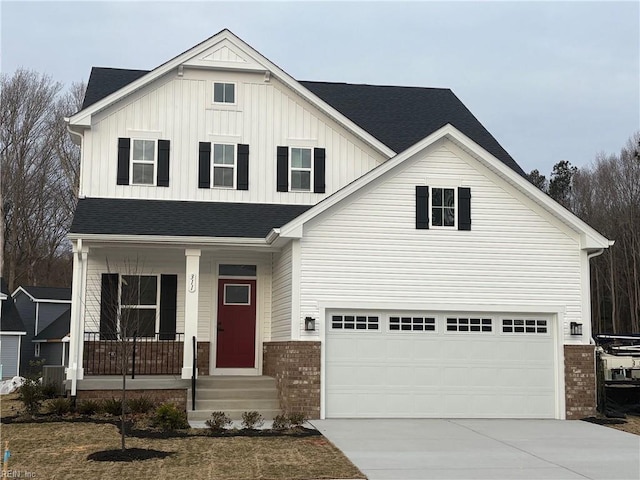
{"x":373,"y":248}
{"x":52,"y":343}
{"x":39,"y":307}
{"x":12,"y":334}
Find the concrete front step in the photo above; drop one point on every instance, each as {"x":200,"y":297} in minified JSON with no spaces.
{"x":202,"y":415}
{"x":234,"y":395}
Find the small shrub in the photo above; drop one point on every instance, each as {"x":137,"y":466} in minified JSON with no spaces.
{"x":297,"y":419}
{"x":59,"y":406}
{"x":89,"y":407}
{"x":281,"y":422}
{"x":218,"y":421}
{"x":169,"y":417}
{"x":112,"y":406}
{"x":31,"y":395}
{"x":140,"y":405}
{"x":49,"y":390}
{"x":251,"y":420}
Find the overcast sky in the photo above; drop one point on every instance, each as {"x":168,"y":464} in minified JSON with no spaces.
{"x":550,"y":80}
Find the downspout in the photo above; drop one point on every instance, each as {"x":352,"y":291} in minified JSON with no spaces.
{"x":597,"y":253}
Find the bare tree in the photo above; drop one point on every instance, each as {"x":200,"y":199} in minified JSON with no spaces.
{"x":125,"y":291}
{"x":38,"y":185}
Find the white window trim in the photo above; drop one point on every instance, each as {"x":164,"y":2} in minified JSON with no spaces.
{"x":233,"y":166}
{"x":300,"y":169}
{"x":224,"y":293}
{"x":235,"y":93}
{"x":146,"y":162}
{"x":455,"y":207}
{"x":156,"y":328}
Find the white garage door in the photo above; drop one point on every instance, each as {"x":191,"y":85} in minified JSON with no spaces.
{"x":439,"y":365}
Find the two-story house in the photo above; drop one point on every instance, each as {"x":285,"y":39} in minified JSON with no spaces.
{"x":39,"y":308}
{"x":12,"y":333}
{"x":372,"y":248}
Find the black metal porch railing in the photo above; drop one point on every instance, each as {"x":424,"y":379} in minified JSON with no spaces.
{"x":149,"y":355}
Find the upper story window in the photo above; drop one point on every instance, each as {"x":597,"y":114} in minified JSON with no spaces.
{"x":143,"y":162}
{"x":301,"y":171}
{"x":224,"y":162}
{"x":223,"y":165}
{"x":443,"y":207}
{"x":224,"y":92}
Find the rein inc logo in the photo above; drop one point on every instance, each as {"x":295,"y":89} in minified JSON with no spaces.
{"x":6,"y":472}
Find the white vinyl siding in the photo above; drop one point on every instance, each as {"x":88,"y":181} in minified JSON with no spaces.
{"x":281,"y":320}
{"x":369,"y":252}
{"x":265,"y":116}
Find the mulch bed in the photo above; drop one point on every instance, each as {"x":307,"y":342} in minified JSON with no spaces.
{"x":127,"y":455}
{"x":154,"y":433}
{"x":604,"y":421}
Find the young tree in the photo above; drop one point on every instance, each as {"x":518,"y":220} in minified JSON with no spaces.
{"x":125,"y":291}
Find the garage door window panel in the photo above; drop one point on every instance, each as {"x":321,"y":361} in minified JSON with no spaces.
{"x":469,"y":325}
{"x":412,"y":324}
{"x":354,"y":322}
{"x":525,"y":326}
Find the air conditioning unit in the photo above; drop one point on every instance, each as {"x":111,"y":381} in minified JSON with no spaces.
{"x":54,"y":375}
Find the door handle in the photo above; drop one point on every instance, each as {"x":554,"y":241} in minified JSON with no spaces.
{"x":220,"y":329}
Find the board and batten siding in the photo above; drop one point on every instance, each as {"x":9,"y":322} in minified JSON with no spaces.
{"x":281,"y":317}
{"x":180,"y":109}
{"x":368,"y":252}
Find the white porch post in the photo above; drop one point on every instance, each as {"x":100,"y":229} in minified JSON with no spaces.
{"x":190,"y":308}
{"x":75,"y":371}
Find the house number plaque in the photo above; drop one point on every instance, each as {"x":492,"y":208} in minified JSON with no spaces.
{"x":192,"y":283}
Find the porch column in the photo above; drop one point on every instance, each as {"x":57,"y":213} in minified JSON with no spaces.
{"x":192,"y":289}
{"x":75,"y":370}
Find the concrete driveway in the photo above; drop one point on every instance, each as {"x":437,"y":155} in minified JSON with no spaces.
{"x":485,"y":449}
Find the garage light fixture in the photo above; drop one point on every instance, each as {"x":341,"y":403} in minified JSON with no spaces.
{"x":309,"y":324}
{"x":575,"y":328}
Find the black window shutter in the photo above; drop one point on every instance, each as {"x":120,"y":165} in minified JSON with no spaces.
{"x":124,"y":145}
{"x":204,"y":165}
{"x":168,"y":306}
{"x":318,"y":170}
{"x":163,"y":163}
{"x":109,"y":306}
{"x":464,"y":208}
{"x":283,"y":169}
{"x":422,"y":207}
{"x":242,"y":181}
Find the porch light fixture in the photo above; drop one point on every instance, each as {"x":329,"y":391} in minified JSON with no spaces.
{"x":575,"y":328}
{"x":309,"y":324}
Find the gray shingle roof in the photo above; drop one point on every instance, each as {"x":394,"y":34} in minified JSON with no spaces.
{"x":10,"y":320}
{"x":180,"y":218}
{"x":57,"y":330}
{"x":49,"y":293}
{"x":397,"y":116}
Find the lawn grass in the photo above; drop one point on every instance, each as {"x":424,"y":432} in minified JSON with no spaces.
{"x":60,"y":450}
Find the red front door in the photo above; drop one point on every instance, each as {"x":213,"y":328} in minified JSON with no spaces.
{"x":236,"y":343}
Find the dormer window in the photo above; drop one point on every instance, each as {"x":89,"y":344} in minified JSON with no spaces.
{"x":143,"y":159}
{"x":224,"y":93}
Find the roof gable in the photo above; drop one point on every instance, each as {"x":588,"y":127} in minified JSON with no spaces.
{"x":57,"y":330}
{"x":590,"y":238}
{"x":10,"y":320}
